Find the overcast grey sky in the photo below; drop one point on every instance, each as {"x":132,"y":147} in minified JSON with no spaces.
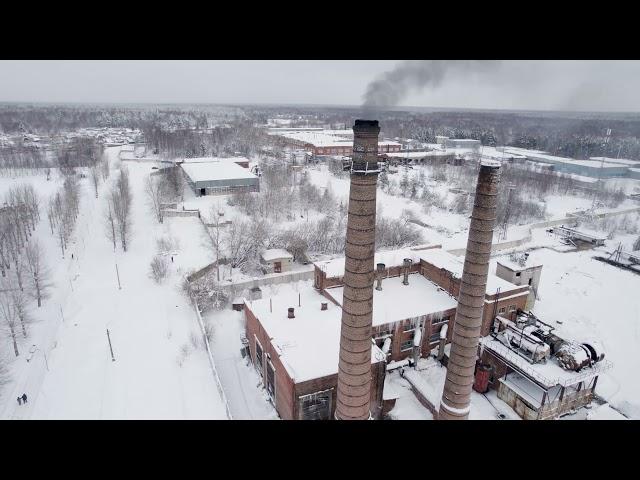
{"x":545,"y":85}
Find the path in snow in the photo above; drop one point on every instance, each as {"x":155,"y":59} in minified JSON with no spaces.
{"x":157,"y":372}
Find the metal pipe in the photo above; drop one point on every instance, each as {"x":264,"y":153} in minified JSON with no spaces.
{"x":405,"y":266}
{"x":354,"y":367}
{"x":379,"y":275}
{"x":456,"y":394}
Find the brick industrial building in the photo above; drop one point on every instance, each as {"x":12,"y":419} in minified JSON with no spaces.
{"x":327,"y":142}
{"x":298,"y":357}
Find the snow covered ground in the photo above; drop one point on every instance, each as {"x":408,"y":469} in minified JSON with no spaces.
{"x":161,"y":369}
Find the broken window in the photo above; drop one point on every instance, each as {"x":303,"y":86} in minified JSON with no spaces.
{"x":408,"y":345}
{"x":316,"y":406}
{"x":259,"y":357}
{"x":271,"y":381}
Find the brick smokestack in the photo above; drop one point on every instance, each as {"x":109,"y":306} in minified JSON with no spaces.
{"x":354,"y":368}
{"x":456,"y":395}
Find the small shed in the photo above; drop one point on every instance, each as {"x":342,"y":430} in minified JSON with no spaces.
{"x":276,"y":260}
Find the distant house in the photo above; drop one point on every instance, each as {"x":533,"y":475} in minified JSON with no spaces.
{"x":276,"y":260}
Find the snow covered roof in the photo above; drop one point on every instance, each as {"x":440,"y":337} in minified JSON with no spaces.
{"x":391,"y":258}
{"x":515,"y":266}
{"x":545,"y":157}
{"x":621,"y":161}
{"x":413,"y":154}
{"x":396,"y":302}
{"x":309,"y":344}
{"x":488,"y":162}
{"x":202,"y":172}
{"x":443,"y":259}
{"x":325,"y":138}
{"x":214,"y":159}
{"x":274,"y":254}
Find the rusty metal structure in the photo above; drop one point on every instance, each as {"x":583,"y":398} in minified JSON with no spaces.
{"x":354,"y":368}
{"x":456,"y":395}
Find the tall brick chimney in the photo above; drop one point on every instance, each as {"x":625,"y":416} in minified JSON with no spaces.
{"x":456,"y":395}
{"x":354,"y":368}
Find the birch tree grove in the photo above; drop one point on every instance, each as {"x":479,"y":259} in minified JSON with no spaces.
{"x":95,"y":176}
{"x":8,"y":313}
{"x":156,"y":189}
{"x":63,"y":211}
{"x":38,"y":272}
{"x":118,"y":214}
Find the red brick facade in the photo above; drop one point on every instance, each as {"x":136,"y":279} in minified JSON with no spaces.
{"x":287,"y":392}
{"x":509,"y":301}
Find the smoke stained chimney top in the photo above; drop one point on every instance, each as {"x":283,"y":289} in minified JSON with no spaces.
{"x":366,"y":125}
{"x":290,"y":311}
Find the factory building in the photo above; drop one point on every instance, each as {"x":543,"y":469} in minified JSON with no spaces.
{"x":219,"y":178}
{"x":463,"y":143}
{"x":327,"y":142}
{"x":294,"y":344}
{"x":585,"y":168}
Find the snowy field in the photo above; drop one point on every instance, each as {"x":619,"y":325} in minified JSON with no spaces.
{"x":161,"y":370}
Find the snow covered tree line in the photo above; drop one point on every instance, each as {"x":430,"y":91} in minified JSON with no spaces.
{"x":21,"y":160}
{"x":18,"y":218}
{"x":99,"y":172}
{"x":63,"y":210}
{"x":23,"y":271}
{"x":117,"y":215}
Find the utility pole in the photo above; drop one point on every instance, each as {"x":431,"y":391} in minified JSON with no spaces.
{"x":599,"y":183}
{"x":118,"y":275}
{"x":110,"y":347}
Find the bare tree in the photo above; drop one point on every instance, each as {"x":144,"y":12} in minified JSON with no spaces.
{"x":121,"y":204}
{"x":110,"y":221}
{"x":9,"y":312}
{"x":94,"y":175}
{"x":156,"y":191}
{"x":104,"y":167}
{"x":39,"y":274}
{"x":159,"y":268}
{"x":216,"y":239}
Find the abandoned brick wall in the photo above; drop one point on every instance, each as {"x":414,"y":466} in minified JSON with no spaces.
{"x":441,"y":277}
{"x":519,"y":302}
{"x":284,"y":387}
{"x":322,"y":282}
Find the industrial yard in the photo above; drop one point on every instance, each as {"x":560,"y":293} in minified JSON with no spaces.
{"x":303,"y":263}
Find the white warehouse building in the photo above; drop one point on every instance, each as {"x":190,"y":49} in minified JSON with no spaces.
{"x":219,"y":178}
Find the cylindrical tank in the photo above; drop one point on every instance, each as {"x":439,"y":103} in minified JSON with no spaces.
{"x":483,"y":373}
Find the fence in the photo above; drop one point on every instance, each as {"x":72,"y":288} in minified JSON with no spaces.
{"x":211,"y":362}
